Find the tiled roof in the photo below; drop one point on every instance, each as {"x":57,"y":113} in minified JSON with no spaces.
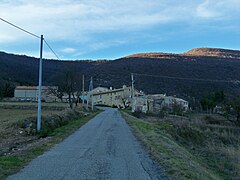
{"x":34,"y":87}
{"x":26,"y":87}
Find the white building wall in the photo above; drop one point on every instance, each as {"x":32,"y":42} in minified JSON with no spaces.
{"x":25,"y":94}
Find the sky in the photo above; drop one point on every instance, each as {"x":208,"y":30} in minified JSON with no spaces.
{"x":111,"y":29}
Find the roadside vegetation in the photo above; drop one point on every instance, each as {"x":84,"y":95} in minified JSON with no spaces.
{"x":193,"y":146}
{"x":20,"y":142}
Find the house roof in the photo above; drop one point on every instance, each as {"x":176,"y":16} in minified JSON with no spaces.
{"x":26,"y":88}
{"x":163,"y":96}
{"x":109,"y":91}
{"x":99,"y":89}
{"x":102,"y":90}
{"x":35,"y":87}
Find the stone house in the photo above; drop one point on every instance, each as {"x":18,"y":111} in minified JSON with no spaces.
{"x":140,"y":104}
{"x":158,"y":101}
{"x":120,"y":97}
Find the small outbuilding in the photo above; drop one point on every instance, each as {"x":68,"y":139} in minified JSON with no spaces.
{"x":30,"y":93}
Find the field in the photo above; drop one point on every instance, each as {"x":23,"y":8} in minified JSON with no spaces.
{"x":190,"y":147}
{"x":12,"y":114}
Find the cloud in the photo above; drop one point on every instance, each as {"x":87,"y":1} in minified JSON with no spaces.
{"x":65,"y":19}
{"x":68,"y":50}
{"x":218,"y":9}
{"x":78,"y":23}
{"x":77,"y":20}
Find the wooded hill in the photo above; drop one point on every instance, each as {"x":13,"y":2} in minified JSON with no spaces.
{"x":174,"y":74}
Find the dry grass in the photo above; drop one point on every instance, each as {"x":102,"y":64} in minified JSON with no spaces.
{"x":9,"y":117}
{"x":188,"y":148}
{"x":33,"y":104}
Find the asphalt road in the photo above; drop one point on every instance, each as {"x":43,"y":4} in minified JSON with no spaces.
{"x":104,"y":148}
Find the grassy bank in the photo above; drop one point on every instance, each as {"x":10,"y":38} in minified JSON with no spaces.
{"x":56,"y":126}
{"x":188,"y":150}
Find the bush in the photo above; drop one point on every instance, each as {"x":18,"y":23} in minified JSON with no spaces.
{"x":114,"y":106}
{"x":137,"y":114}
{"x":49,"y":123}
{"x":211,"y":120}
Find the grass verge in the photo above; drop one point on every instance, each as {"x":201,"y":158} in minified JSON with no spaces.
{"x":187,"y":151}
{"x":10,"y":164}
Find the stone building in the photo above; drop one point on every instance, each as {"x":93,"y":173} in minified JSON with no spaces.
{"x":30,"y":93}
{"x":120,"y":97}
{"x":158,"y":101}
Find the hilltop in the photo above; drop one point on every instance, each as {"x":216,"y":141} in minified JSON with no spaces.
{"x":224,"y":53}
{"x":217,"y":52}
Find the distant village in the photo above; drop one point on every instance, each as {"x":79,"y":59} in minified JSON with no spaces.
{"x":125,"y":97}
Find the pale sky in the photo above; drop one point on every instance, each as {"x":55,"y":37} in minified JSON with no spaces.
{"x":110,"y":29}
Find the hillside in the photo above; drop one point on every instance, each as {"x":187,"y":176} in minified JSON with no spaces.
{"x":23,"y":70}
{"x":216,"y":64}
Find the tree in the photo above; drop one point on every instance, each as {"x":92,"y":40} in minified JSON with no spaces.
{"x":8,"y":90}
{"x":1,"y":92}
{"x":68,"y":84}
{"x":236,"y":107}
{"x":227,"y":110}
{"x":210,"y":100}
{"x":58,"y":92}
{"x":177,"y":108}
{"x":219,"y":97}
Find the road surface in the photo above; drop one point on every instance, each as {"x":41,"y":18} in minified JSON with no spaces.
{"x":104,"y":148}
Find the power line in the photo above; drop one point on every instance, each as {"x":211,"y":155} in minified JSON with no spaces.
{"x":30,"y":33}
{"x":20,"y":28}
{"x":51,"y":49}
{"x":190,"y":79}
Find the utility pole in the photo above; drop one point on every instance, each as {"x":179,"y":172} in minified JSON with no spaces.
{"x":92,"y":91}
{"x":88,"y":94}
{"x":40,"y":87}
{"x":132,"y":85}
{"x":132,"y":92}
{"x":83,"y":91}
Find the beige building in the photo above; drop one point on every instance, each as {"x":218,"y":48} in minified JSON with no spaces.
{"x":122,"y":98}
{"x":112,"y":97}
{"x":30,"y":93}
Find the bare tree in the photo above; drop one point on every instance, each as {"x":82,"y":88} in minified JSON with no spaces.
{"x":68,"y":84}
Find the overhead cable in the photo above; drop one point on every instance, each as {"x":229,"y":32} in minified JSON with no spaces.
{"x":32,"y":34}
{"x":51,"y":49}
